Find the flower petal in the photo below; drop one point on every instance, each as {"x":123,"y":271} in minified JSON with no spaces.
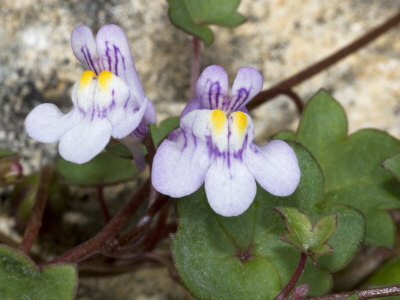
{"x":212,"y":87}
{"x":274,"y":166}
{"x":84,"y":48}
{"x":247,"y":84}
{"x":150,"y":116}
{"x":230,"y":188}
{"x":124,"y":120}
{"x":191,"y":106}
{"x":115,"y":55}
{"x":135,"y":146}
{"x":180,"y":165}
{"x":46,"y":123}
{"x":87,"y":139}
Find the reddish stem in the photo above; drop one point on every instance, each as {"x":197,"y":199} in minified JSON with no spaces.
{"x":102,"y":202}
{"x":195,"y":66}
{"x":151,"y":148}
{"x":117,"y":246}
{"x":35,"y":219}
{"x":296,"y":99}
{"x":286,"y":85}
{"x":363,"y":294}
{"x":93,"y":245}
{"x":155,"y":235}
{"x":296,"y":275}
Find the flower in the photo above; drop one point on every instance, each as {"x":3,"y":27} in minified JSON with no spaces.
{"x":108,"y":100}
{"x":214,"y":145}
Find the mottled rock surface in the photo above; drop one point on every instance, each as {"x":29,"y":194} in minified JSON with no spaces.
{"x":279,"y":38}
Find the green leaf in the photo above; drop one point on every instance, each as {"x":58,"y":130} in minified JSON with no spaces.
{"x":119,"y":150}
{"x":161,"y":131}
{"x":351,"y":165}
{"x":392,"y":164}
{"x":243,"y":257}
{"x":20,"y":278}
{"x":104,"y":169}
{"x":308,"y":238}
{"x":193,"y":16}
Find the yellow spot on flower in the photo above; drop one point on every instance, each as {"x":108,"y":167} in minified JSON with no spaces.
{"x":104,"y":80}
{"x":86,"y":79}
{"x":239,"y":121}
{"x":218,"y":120}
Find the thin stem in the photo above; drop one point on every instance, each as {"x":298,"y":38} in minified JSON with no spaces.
{"x":296,"y":99}
{"x":102,"y":202}
{"x":151,"y":148}
{"x":35,"y":219}
{"x":287,"y":84}
{"x":155,"y":235}
{"x":93,"y":245}
{"x":363,"y":294}
{"x":194,"y":75}
{"x":296,"y":275}
{"x":143,"y":223}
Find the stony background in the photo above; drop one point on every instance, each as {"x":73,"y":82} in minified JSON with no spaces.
{"x":279,"y":38}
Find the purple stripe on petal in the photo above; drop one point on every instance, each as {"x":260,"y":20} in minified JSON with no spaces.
{"x":211,"y":87}
{"x":114,"y":51}
{"x":247,"y":84}
{"x":178,"y":172}
{"x":240,"y":99}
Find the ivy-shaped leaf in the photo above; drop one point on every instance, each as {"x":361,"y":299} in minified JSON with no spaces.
{"x":104,"y":169}
{"x":243,"y":257}
{"x":20,"y":278}
{"x":392,"y":164}
{"x":193,"y":16}
{"x":302,"y":234}
{"x":351,"y":165}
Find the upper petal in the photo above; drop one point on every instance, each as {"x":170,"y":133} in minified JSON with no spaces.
{"x":180,"y":165}
{"x":247,"y":84}
{"x":191,"y":106}
{"x":84,"y":48}
{"x":212,"y":87}
{"x":230,"y":188}
{"x":115,"y":55}
{"x":84,"y":141}
{"x":274,"y":166}
{"x":46,"y":123}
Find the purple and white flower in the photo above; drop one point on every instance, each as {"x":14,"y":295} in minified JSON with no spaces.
{"x":214,"y":145}
{"x":108,"y":100}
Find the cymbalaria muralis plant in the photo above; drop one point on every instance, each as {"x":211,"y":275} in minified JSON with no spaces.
{"x":274,"y":221}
